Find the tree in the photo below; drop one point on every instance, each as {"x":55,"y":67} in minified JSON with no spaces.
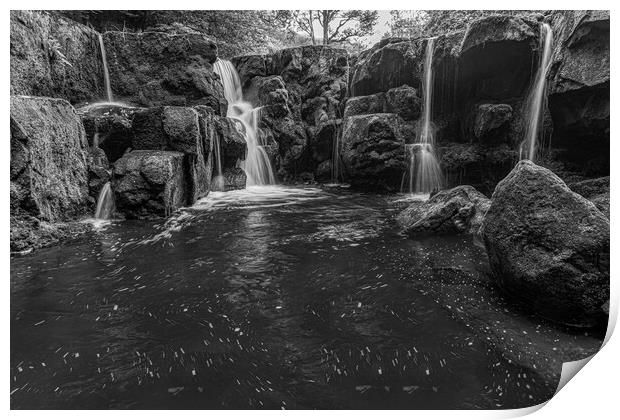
{"x":337,"y":26}
{"x":408,"y":23}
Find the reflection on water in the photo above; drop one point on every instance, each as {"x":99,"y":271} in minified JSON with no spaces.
{"x":262,"y":298}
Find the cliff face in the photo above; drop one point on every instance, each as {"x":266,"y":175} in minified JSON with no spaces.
{"x":579,"y":91}
{"x":49,"y":170}
{"x":160,"y":68}
{"x":482,"y":78}
{"x":301,"y":90}
{"x":56,"y":57}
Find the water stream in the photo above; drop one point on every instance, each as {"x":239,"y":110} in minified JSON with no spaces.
{"x":257,"y":166}
{"x":105,"y":203}
{"x":106,"y":73}
{"x":424,"y":170}
{"x":537,"y":97}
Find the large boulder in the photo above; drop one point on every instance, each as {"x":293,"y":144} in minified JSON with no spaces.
{"x":457,"y":210}
{"x":49,"y":170}
{"x":56,"y":57}
{"x":164,"y":68}
{"x":48,"y":158}
{"x":373,"y":151}
{"x":148,"y":183}
{"x":118,"y":129}
{"x":548,"y":246}
{"x":489,"y":119}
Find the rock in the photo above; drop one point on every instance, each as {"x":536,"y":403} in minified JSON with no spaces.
{"x":234,"y":179}
{"x":182,"y":129}
{"x":300,"y":89}
{"x":457,"y":210}
{"x":480,"y":166}
{"x":361,"y":105}
{"x":489,"y":118}
{"x":56,"y":57}
{"x":373,"y":151}
{"x":98,"y":171}
{"x":390,"y":63}
{"x":322,"y":139}
{"x":548,"y":246}
{"x":499,"y":28}
{"x":164,"y":68}
{"x":579,"y":90}
{"x":404,"y":101}
{"x":48,"y":171}
{"x":149,"y":183}
{"x":109,"y":127}
{"x":49,"y":157}
{"x":595,"y":190}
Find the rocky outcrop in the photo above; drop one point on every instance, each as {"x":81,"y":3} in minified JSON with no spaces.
{"x":579,"y":90}
{"x":548,"y":246}
{"x":164,"y":68}
{"x":301,"y":90}
{"x":489,"y":119}
{"x":194,"y":131}
{"x":49,"y":167}
{"x":373,"y":151}
{"x":403,"y":100}
{"x":390,"y":63}
{"x":149,"y":183}
{"x":56,"y":57}
{"x":457,"y":210}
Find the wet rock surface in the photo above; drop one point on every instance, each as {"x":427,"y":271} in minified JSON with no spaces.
{"x":49,"y":166}
{"x":164,"y":68}
{"x":149,"y":183}
{"x":373,"y":151}
{"x":301,"y":89}
{"x":56,"y":57}
{"x":457,"y":210}
{"x":548,"y":246}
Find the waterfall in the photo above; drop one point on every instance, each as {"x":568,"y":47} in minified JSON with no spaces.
{"x":105,"y":203}
{"x":106,"y":73}
{"x":218,"y":183}
{"x":537,"y":97}
{"x":256,"y":166}
{"x":424,"y":170}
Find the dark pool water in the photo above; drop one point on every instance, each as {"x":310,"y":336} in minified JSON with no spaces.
{"x":272,"y":298}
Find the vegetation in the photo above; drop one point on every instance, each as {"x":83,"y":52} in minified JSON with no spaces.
{"x":421,"y":23}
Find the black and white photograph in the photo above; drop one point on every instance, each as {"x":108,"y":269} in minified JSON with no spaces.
{"x":306,"y":209}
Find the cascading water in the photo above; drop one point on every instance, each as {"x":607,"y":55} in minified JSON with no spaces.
{"x":424,"y":171}
{"x":105,"y":203}
{"x":536,"y":99}
{"x":256,"y":166}
{"x":106,"y":73}
{"x":218,"y":183}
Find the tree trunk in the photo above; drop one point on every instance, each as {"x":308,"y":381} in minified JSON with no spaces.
{"x":325,"y":27}
{"x":311,"y":22}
